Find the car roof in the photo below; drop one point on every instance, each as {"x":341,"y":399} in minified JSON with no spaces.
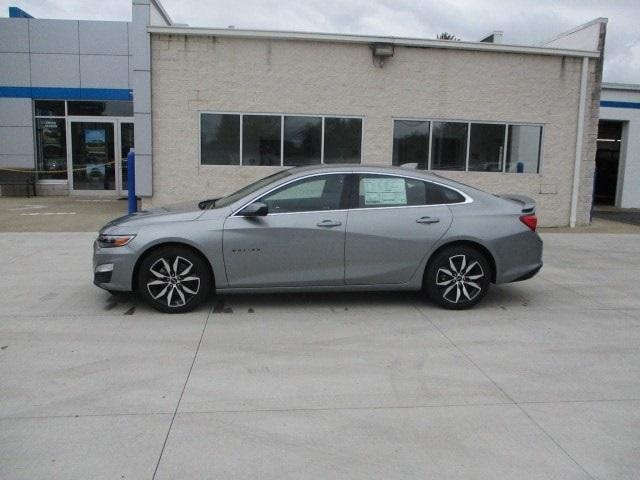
{"x":371,"y":168}
{"x":407,"y":171}
{"x":359,"y":168}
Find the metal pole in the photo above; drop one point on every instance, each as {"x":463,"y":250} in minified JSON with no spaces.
{"x":573,"y":214}
{"x":131,"y":181}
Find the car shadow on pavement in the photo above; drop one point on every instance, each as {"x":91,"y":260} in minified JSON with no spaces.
{"x":510,"y":296}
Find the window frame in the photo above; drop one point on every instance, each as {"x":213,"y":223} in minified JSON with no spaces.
{"x":282,"y":117}
{"x":351,"y":190}
{"x":67,"y":117}
{"x":430,"y":121}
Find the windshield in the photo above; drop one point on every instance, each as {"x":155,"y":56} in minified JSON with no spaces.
{"x":249,"y":189}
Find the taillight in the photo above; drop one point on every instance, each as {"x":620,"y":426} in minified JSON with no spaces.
{"x":530,"y":221}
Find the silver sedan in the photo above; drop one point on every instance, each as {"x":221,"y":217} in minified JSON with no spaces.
{"x":324,"y":228}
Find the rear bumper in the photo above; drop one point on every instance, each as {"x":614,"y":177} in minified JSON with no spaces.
{"x":528,"y":275}
{"x":518,"y":257}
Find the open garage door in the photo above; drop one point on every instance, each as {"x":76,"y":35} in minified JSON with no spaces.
{"x":607,"y":162}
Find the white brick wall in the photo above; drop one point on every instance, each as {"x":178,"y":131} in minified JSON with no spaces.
{"x":193,"y":74}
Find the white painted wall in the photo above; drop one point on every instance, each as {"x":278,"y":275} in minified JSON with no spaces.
{"x":584,"y":37}
{"x":628,"y":195}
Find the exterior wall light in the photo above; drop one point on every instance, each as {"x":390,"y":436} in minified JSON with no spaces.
{"x":381,"y":51}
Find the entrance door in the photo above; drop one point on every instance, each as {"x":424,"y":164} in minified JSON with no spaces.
{"x":607,"y":162}
{"x":126,"y":144}
{"x":93,"y":160}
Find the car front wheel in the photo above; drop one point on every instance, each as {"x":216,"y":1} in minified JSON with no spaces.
{"x":174,"y":279}
{"x":458,"y":277}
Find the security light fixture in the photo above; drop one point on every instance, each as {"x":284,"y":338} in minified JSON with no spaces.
{"x":381,"y":51}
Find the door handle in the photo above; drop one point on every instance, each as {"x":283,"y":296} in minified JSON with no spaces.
{"x":427,"y":220}
{"x":329,"y":223}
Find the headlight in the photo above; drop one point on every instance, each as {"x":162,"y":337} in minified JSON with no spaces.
{"x":108,"y":241}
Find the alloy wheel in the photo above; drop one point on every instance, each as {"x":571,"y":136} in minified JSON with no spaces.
{"x":173,"y":282}
{"x":461,"y":281}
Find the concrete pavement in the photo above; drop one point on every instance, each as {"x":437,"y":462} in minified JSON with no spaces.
{"x":58,"y":214}
{"x":542,"y":380}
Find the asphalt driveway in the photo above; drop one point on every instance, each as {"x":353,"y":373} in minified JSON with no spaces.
{"x":542,"y":380}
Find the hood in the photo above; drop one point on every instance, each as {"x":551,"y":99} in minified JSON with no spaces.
{"x":179,"y":212}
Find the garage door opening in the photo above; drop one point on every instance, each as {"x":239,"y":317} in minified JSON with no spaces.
{"x":607,"y":162}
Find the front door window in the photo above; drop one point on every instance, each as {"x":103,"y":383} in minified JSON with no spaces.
{"x":317,"y":193}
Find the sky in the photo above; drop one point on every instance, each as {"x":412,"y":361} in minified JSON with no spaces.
{"x":523,"y":21}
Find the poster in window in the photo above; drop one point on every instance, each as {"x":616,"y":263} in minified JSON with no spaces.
{"x":96,"y":146}
{"x":384,"y":191}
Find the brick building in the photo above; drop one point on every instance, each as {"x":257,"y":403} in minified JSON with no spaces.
{"x":217,"y":108}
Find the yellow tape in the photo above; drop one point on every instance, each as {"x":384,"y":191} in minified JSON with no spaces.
{"x":55,"y":171}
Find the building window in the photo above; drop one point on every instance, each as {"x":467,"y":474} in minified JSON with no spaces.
{"x":261,"y":140}
{"x":49,"y":108}
{"x":220,"y":139}
{"x":51,"y":145}
{"x":523,"y":148}
{"x":278,"y":140}
{"x":342,"y":140}
{"x":108,"y":108}
{"x":486,"y":147}
{"x":467,"y":146}
{"x":449,"y":146}
{"x":302,"y":140}
{"x":411,"y":142}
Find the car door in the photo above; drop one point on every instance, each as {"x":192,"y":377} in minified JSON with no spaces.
{"x":394,"y":222}
{"x":299,"y":242}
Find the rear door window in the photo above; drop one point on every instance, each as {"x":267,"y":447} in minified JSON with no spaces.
{"x":391,"y":191}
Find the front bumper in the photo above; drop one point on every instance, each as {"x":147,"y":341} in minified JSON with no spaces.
{"x":120,"y":275}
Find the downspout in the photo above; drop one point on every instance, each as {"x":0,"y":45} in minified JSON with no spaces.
{"x":579,"y":138}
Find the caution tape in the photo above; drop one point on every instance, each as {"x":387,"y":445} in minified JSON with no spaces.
{"x":55,"y":171}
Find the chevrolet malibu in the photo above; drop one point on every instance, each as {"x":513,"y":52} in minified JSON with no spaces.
{"x":320,"y":229}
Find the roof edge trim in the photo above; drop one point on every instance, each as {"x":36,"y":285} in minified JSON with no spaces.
{"x":366,"y":39}
{"x":620,"y":86}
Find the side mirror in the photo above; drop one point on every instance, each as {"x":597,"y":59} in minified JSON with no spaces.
{"x":255,"y":209}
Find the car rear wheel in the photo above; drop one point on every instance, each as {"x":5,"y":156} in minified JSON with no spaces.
{"x":174,"y":279}
{"x":458,"y":277}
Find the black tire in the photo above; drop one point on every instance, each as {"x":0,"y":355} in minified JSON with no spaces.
{"x":457,"y":277}
{"x":174,"y":279}
{"x":119,"y":293}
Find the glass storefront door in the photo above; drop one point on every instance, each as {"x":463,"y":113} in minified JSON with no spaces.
{"x":93,"y":160}
{"x":98,"y":154}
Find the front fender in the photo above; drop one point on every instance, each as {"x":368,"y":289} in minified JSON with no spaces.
{"x":204,"y":236}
